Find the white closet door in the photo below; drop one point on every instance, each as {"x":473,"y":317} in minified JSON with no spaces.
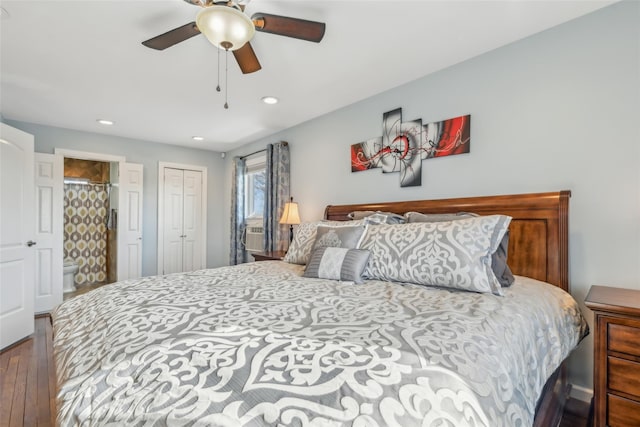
{"x":181,"y":222}
{"x":49,"y":171}
{"x":192,"y":225}
{"x":16,"y":235}
{"x":173,"y":220}
{"x":130,"y":221}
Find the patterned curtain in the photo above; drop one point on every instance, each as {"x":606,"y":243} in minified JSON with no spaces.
{"x":276,"y":236}
{"x":85,"y":232}
{"x":237,"y":254}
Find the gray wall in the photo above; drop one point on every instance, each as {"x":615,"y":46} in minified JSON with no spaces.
{"x":558,"y":110}
{"x":148,"y":154}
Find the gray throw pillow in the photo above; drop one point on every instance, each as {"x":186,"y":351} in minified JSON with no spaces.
{"x":337,"y":264}
{"x":378,"y":217}
{"x":422,"y":217}
{"x":339,"y":237}
{"x":499,"y":257}
{"x":304,"y":238}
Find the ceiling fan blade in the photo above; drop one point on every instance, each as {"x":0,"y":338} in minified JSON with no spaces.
{"x":247,"y":59}
{"x":172,"y":37}
{"x":290,"y":27}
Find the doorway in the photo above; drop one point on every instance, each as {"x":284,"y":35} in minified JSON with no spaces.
{"x":90,"y":221}
{"x":126,"y":179}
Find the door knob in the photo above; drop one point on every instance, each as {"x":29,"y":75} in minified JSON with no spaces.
{"x":31,"y":243}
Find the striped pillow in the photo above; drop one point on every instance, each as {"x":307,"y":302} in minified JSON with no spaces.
{"x":337,"y":264}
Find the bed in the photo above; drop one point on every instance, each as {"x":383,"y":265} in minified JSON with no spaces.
{"x":260,"y":344}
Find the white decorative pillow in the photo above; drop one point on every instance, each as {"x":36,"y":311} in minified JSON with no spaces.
{"x":304,"y":239}
{"x":337,"y":264}
{"x":452,"y":254}
{"x":498,"y":258}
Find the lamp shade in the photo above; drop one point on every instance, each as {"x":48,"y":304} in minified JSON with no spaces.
{"x":290,"y":214}
{"x":225,"y":27}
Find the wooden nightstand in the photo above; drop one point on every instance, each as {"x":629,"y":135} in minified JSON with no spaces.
{"x":269,"y":256}
{"x":616,"y":365}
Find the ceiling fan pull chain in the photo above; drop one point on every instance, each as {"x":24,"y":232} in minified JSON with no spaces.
{"x":226,"y":79}
{"x":218,"y":87}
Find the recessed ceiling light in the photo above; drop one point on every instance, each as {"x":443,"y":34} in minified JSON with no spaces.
{"x":105,"y":122}
{"x":197,"y":138}
{"x":269,"y":99}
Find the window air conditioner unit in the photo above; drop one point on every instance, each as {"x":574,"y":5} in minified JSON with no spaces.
{"x":254,"y":241}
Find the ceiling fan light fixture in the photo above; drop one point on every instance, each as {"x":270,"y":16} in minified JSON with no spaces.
{"x":225,"y":26}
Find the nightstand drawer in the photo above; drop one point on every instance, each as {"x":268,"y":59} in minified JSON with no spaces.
{"x":624,"y":339}
{"x":623,"y":375}
{"x":616,"y":362}
{"x":622,"y":412}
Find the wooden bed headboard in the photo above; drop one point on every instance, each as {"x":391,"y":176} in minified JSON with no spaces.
{"x":538,"y":234}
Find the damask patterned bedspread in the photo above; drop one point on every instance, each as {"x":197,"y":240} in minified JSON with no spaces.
{"x":257,"y":344}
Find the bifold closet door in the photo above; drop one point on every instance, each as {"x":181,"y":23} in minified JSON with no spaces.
{"x":182,"y":220}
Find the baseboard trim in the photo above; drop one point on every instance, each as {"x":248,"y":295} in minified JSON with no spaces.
{"x":581,"y":393}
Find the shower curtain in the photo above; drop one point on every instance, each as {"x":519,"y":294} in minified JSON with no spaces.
{"x":85,"y":232}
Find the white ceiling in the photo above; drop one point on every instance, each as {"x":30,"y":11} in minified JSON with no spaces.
{"x":68,"y":63}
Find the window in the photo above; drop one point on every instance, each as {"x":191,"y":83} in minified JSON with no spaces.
{"x":255,"y":182}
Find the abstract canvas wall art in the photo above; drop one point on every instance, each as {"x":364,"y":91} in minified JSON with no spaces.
{"x":403,"y":145}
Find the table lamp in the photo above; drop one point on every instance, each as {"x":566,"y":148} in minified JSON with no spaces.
{"x":290,"y":217}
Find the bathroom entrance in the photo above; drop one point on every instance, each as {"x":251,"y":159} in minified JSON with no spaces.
{"x":90,"y":223}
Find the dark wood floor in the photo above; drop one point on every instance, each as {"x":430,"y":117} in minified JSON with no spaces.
{"x":28,"y":381}
{"x":27,"y":373}
{"x":576,"y":414}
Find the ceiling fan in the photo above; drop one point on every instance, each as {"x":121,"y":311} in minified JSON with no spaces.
{"x":227,"y":27}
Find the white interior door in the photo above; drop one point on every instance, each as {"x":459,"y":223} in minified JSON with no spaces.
{"x":16,"y":235}
{"x":192,"y":224}
{"x":173,"y":220}
{"x":49,"y":194}
{"x":130,"y":221}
